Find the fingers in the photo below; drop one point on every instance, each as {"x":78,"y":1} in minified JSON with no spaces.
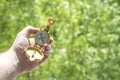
{"x":46,"y":50}
{"x":29,"y":30}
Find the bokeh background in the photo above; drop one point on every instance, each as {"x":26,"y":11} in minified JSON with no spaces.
{"x":86,"y":36}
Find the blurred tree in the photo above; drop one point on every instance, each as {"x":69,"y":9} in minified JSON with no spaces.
{"x":86,"y":36}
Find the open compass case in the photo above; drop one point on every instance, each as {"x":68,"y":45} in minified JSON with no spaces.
{"x":42,"y":37}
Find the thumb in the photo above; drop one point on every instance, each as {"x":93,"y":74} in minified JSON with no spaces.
{"x":29,"y":30}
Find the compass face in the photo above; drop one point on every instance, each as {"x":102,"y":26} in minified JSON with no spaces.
{"x":42,"y":37}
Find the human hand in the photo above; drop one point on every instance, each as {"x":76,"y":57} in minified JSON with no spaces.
{"x":21,"y":42}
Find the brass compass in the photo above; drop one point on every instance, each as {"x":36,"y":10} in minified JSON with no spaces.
{"x":42,"y":37}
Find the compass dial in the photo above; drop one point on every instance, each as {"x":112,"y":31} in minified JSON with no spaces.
{"x":42,"y":37}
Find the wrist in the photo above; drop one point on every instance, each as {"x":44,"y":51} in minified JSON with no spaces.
{"x":10,"y":64}
{"x":16,"y":63}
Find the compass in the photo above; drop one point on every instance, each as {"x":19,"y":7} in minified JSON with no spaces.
{"x":42,"y":37}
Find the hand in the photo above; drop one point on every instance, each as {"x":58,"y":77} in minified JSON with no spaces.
{"x":21,"y":42}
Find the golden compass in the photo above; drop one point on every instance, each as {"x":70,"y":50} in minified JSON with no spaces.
{"x":42,"y":37}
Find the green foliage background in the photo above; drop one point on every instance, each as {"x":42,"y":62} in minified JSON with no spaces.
{"x":86,"y":36}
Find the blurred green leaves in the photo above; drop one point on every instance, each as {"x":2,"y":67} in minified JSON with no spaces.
{"x":86,"y":36}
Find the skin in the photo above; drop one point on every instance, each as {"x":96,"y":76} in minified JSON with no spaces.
{"x":14,"y":62}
